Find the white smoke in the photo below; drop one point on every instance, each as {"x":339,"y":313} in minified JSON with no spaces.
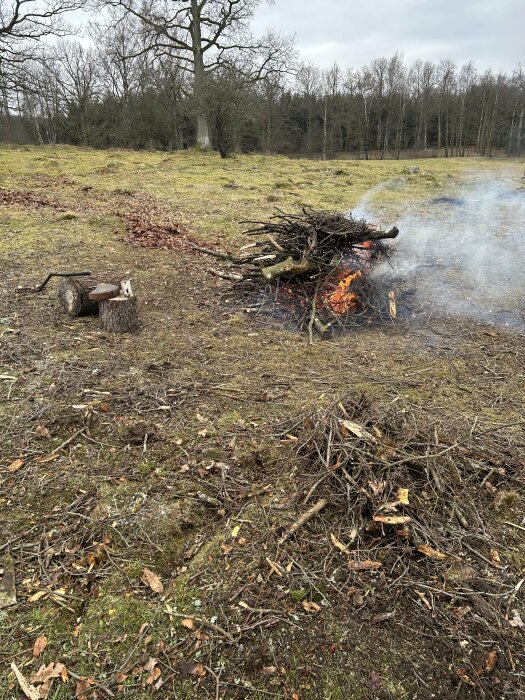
{"x":464,"y":255}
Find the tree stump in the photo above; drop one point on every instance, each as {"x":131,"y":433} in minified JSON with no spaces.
{"x":119,"y":315}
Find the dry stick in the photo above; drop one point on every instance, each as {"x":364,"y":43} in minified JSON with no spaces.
{"x":312,"y":317}
{"x":66,"y":442}
{"x":207,"y":623}
{"x":305,"y":517}
{"x":507,"y":522}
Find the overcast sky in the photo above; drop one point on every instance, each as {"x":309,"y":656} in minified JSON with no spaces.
{"x":353,"y":32}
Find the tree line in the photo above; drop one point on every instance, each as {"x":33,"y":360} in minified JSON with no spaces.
{"x":183,"y":73}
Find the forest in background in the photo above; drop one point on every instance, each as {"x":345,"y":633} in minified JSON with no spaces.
{"x":139,"y":83}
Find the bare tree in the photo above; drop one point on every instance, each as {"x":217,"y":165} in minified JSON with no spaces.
{"x":22,"y":24}
{"x":208,"y":35}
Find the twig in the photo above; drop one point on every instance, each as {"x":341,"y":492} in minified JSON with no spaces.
{"x":305,"y":517}
{"x":207,"y":623}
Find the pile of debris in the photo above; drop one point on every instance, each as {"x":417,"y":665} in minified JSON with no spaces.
{"x":414,"y":508}
{"x":311,"y":267}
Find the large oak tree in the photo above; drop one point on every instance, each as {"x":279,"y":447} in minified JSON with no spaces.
{"x":205,"y":36}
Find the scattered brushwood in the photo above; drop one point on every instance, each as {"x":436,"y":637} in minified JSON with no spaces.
{"x":310,"y":268}
{"x":406,"y":507}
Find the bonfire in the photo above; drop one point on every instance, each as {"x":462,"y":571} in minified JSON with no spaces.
{"x":313,"y":267}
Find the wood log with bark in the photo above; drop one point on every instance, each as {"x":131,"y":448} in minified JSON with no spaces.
{"x":119,"y":314}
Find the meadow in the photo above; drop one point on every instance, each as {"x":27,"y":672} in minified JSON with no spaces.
{"x":164,"y":451}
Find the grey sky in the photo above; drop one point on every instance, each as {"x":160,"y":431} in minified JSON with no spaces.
{"x":353,"y":32}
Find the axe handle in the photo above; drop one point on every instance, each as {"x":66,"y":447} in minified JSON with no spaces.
{"x":60,"y":274}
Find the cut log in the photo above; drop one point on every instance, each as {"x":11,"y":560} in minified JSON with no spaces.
{"x":74,"y":293}
{"x":119,"y":315}
{"x":286,"y":267}
{"x":103,"y":291}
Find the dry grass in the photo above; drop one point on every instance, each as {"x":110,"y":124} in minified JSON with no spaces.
{"x":207,"y":388}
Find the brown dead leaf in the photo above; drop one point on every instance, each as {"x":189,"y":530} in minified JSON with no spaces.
{"x":392,"y":519}
{"x":198,"y":670}
{"x":464,"y":677}
{"x":494,"y":555}
{"x":15,"y":466}
{"x":83,"y":684}
{"x":40,"y":645}
{"x":46,"y":673}
{"x":154,"y":676}
{"x":430,"y":552}
{"x":188,"y":622}
{"x":365,"y":565}
{"x":516,"y":620}
{"x":43,"y":432}
{"x":36,"y":596}
{"x":311,"y":607}
{"x":488,"y":661}
{"x":47,"y":458}
{"x":152,"y":580}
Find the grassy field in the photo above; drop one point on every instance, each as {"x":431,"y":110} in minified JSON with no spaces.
{"x":170,"y":456}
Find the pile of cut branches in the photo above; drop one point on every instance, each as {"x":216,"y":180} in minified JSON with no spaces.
{"x":298,"y":259}
{"x":426,"y":510}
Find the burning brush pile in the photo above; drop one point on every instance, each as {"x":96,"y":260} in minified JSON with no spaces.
{"x":312,"y":269}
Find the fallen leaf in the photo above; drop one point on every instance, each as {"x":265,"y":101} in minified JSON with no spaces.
{"x":45,"y":673}
{"x":154,"y":676}
{"x":392,"y":519}
{"x":464,"y":677}
{"x":40,"y":645}
{"x":198,"y":670}
{"x":310,"y":606}
{"x":15,"y":466}
{"x":42,"y":431}
{"x":235,"y":531}
{"x":47,"y":458}
{"x":36,"y":596}
{"x":430,"y":552}
{"x":83,"y":685}
{"x":488,"y":661}
{"x":152,"y":580}
{"x":494,"y":555}
{"x":402,"y":497}
{"x":365,"y":565}
{"x":188,"y":622}
{"x":516,"y":620}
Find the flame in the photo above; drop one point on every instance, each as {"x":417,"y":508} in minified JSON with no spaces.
{"x":342,"y":299}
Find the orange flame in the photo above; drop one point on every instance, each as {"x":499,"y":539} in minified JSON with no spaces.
{"x":342,"y":299}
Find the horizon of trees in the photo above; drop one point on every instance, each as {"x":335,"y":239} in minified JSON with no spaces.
{"x":135,"y":87}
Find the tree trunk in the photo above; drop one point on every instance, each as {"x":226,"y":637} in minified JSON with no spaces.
{"x":119,"y":315}
{"x":199,"y":79}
